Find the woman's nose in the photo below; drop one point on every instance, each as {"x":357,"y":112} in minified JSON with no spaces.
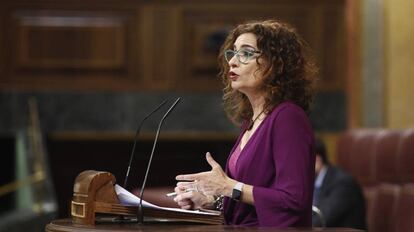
{"x":233,"y":62}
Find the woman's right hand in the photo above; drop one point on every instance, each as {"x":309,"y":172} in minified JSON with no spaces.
{"x":192,"y":199}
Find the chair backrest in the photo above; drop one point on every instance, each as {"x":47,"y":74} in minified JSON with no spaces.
{"x":343,"y":150}
{"x":403,"y":218}
{"x":385,"y":150}
{"x":405,"y":157}
{"x":383,"y":207}
{"x":363,"y":156}
{"x":370,"y":195}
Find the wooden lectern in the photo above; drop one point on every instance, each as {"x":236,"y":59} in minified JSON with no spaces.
{"x":94,"y":193}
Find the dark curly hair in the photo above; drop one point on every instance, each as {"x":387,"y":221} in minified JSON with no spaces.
{"x":289,"y":73}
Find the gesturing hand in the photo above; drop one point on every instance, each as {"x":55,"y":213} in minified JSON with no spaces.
{"x":214,"y":182}
{"x":192,"y":199}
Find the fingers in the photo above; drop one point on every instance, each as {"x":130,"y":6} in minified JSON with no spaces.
{"x":188,"y":206}
{"x":191,"y":200}
{"x":211,"y":161}
{"x":198,"y":176}
{"x":180,"y":189}
{"x":190,"y":177}
{"x":185,"y":204}
{"x":187,"y":187}
{"x":185,"y":200}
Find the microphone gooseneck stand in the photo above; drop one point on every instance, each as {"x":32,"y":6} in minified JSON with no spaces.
{"x":122,"y":218}
{"x":136,"y":139}
{"x":140,"y":213}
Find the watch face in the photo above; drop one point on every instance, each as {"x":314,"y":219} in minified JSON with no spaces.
{"x":236,"y":194}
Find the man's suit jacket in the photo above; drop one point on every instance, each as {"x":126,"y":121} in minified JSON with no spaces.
{"x":341,"y":201}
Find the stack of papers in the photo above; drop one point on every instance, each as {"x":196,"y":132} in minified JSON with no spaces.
{"x":202,"y":216}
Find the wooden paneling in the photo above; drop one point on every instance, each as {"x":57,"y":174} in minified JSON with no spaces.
{"x":3,"y":17}
{"x":158,"y":51}
{"x":333,"y":66}
{"x":205,"y":28}
{"x":70,"y":42}
{"x":155,"y":45}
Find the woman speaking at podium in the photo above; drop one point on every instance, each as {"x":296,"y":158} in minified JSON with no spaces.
{"x":269,"y":86}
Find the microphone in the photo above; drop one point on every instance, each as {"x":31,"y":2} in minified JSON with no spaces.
{"x":140,"y":211}
{"x":135,"y":141}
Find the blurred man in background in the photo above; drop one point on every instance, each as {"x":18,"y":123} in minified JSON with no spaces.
{"x":337,"y":195}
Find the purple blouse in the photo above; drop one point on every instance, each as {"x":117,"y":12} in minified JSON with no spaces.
{"x":279,"y":162}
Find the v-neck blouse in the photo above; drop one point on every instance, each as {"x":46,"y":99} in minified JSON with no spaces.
{"x":278,"y":161}
{"x":237,"y":151}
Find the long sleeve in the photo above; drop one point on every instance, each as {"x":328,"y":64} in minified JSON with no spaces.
{"x":289,"y":195}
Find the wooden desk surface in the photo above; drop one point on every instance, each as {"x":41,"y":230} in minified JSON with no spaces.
{"x":66,"y":225}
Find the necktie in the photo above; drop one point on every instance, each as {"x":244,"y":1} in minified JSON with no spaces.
{"x":316,"y":191}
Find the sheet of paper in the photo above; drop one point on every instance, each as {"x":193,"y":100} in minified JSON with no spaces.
{"x":127,"y":198}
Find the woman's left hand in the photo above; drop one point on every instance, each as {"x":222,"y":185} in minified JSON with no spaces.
{"x":214,"y":182}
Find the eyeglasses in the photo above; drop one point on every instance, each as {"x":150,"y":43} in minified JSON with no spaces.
{"x":243,"y":55}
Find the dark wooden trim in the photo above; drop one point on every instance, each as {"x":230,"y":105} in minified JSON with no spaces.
{"x":353,"y":75}
{"x":165,"y":136}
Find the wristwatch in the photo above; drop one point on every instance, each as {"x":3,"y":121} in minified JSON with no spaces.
{"x":237,"y":191}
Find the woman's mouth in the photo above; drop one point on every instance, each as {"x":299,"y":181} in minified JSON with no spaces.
{"x":233,"y":76}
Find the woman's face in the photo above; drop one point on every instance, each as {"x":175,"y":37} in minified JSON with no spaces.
{"x":244,"y":72}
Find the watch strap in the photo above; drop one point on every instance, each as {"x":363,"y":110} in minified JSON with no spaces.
{"x":237,"y":191}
